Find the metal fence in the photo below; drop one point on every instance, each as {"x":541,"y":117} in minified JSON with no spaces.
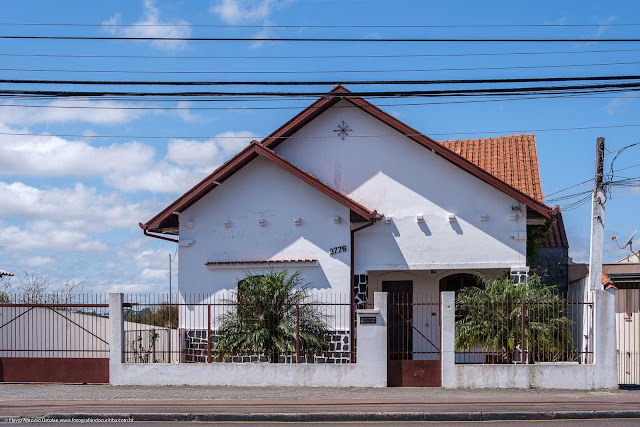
{"x":413,"y":326}
{"x":207,"y":328}
{"x":555,"y":329}
{"x":54,"y":326}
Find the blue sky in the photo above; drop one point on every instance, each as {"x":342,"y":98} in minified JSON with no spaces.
{"x":70,"y":205}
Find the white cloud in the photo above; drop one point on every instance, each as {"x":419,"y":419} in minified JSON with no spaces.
{"x":47,"y":235}
{"x":37,"y":261}
{"x":604,"y":25}
{"x":62,"y":110}
{"x":241,"y":11}
{"x":185,"y":114}
{"x":74,"y":208}
{"x":128,"y":167}
{"x":153,"y":275}
{"x":150,"y":25}
{"x":265,"y":33}
{"x":620,"y":101}
{"x":210,"y":153}
{"x":54,"y":156}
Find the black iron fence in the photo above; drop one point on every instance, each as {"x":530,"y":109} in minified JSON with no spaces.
{"x":204,"y":328}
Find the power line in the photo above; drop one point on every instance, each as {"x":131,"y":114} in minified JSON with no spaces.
{"x":49,"y":24}
{"x":317,"y":82}
{"x":520,"y":98}
{"x":415,"y":70}
{"x":503,"y":132}
{"x":570,"y":52}
{"x":330,"y":39}
{"x":466,"y":92}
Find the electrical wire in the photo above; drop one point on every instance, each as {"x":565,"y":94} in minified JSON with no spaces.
{"x":351,"y":26}
{"x":207,"y":137}
{"x":416,"y":70}
{"x":450,"y":92}
{"x":331,"y":39}
{"x":315,"y":82}
{"x":570,"y":52}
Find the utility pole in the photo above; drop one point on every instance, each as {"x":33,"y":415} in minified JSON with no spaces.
{"x":597,"y":221}
{"x":170,"y":324}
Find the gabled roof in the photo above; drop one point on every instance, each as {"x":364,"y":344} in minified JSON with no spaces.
{"x":512,"y":159}
{"x":339,"y":93}
{"x":167,"y":219}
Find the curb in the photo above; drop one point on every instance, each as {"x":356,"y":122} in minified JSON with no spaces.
{"x":344,"y":417}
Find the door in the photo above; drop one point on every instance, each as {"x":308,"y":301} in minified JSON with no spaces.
{"x":413,"y":330}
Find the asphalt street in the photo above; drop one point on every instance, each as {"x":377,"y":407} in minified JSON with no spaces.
{"x":562,"y":423}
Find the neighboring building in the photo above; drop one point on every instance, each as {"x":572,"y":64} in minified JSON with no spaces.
{"x":5,"y":273}
{"x":622,"y":278}
{"x":361,"y":202}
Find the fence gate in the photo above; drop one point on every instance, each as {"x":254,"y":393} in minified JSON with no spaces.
{"x":55,"y":342}
{"x":628,"y":336}
{"x":413,"y":340}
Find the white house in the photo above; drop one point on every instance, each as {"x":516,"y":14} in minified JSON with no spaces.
{"x":355,"y":198}
{"x":368,"y":207}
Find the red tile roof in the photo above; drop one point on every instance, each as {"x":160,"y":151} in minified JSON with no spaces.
{"x":512,"y":159}
{"x":557,"y":234}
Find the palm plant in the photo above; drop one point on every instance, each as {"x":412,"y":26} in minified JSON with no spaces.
{"x":270,"y":311}
{"x":494,"y":315}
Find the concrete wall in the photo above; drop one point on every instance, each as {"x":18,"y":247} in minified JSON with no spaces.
{"x":402,"y":179}
{"x":600,"y":374}
{"x":369,"y":371}
{"x":263,"y":190}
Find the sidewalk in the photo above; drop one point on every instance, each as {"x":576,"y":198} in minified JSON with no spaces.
{"x":302,"y":404}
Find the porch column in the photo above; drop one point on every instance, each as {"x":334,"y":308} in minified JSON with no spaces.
{"x":447,"y":344}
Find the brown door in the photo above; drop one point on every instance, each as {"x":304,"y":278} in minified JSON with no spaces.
{"x":406,"y":339}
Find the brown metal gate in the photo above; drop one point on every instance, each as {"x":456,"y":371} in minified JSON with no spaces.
{"x":413,"y":340}
{"x":54,"y":341}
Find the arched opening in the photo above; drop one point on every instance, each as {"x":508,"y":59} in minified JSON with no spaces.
{"x":455,"y":282}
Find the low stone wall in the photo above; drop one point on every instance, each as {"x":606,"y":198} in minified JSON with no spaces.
{"x":370,"y":370}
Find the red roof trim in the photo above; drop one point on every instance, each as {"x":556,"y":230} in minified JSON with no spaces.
{"x":235,"y":164}
{"x":318,"y":107}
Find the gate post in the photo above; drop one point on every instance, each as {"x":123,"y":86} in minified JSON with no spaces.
{"x":116,"y":332}
{"x":447,"y":343}
{"x":371,"y":327}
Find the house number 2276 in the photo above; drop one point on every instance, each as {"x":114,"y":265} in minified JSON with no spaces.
{"x":337,"y":249}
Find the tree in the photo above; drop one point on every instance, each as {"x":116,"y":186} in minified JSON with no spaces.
{"x":490,"y":317}
{"x":263,"y":320}
{"x":36,"y":289}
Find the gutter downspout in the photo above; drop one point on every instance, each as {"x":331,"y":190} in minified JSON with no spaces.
{"x":351,"y":292}
{"x":146,"y":233}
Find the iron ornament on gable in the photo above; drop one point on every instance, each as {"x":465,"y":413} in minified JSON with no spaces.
{"x":343,"y":130}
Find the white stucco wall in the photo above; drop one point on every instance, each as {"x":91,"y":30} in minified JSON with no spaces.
{"x":263,"y":190}
{"x":403,"y":179}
